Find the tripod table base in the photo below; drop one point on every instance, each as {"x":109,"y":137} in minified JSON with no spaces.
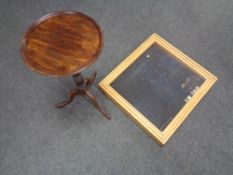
{"x":83,"y":85}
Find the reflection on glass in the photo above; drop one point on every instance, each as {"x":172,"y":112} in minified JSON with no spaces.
{"x":158,"y":85}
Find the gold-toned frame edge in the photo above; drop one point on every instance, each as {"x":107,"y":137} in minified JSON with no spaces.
{"x":133,"y":113}
{"x":159,"y":136}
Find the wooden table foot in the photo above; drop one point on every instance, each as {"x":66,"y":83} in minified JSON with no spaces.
{"x":73,"y":93}
{"x":96,"y":104}
{"x":83,"y":89}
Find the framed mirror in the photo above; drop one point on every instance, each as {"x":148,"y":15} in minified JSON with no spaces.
{"x":157,"y":86}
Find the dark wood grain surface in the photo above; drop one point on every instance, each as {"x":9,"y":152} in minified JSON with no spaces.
{"x":61,"y":43}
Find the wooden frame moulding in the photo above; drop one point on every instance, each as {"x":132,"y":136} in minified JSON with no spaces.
{"x":159,"y":136}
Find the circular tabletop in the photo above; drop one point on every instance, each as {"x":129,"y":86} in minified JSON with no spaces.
{"x":61,"y":43}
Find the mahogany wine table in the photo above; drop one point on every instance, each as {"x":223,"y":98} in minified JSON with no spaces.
{"x":64,"y":44}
